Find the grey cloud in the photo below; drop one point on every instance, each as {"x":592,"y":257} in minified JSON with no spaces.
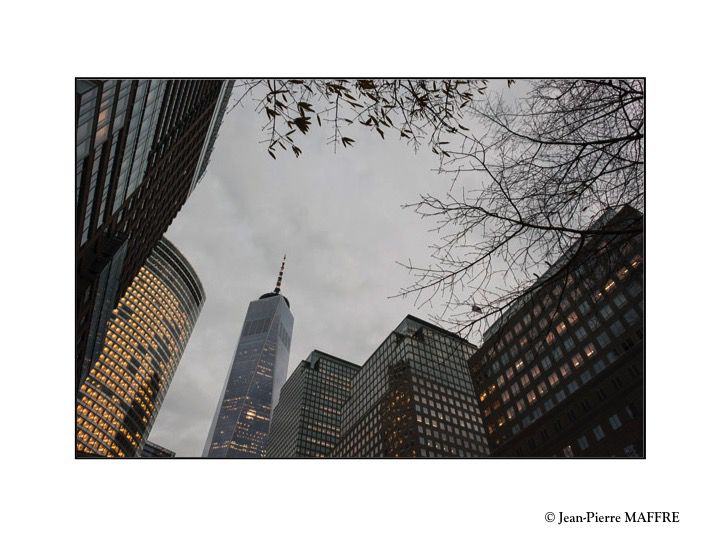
{"x":337,"y":216}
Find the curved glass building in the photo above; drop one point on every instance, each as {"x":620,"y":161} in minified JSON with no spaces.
{"x":145,"y":338}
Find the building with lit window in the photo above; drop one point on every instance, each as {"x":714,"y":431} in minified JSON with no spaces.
{"x":141,"y":147}
{"x":146,"y":335}
{"x":306,"y":420}
{"x":562,"y":373}
{"x":241,"y":423}
{"x":414,"y":398}
{"x":152,"y":450}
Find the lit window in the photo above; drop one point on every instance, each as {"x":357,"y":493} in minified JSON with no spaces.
{"x":510,"y":413}
{"x":572,"y":318}
{"x":505,"y":396}
{"x":577,"y":360}
{"x":525,"y":380}
{"x":501,"y":380}
{"x":565,"y":370}
{"x":519,"y":365}
{"x":622,"y":273}
{"x":568,"y":451}
{"x":531,"y":397}
{"x":535,"y":372}
{"x":560,"y":328}
{"x":554,"y":379}
{"x":550,"y":338}
{"x":636,"y":261}
{"x":589,"y":350}
{"x":542,"y":388}
{"x":609,"y":286}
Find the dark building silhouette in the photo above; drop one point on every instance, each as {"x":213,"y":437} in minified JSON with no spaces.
{"x":152,"y":450}
{"x":414,"y":398}
{"x":241,"y":423}
{"x":141,"y":147}
{"x":146,"y":335}
{"x":306,"y":421}
{"x":562,"y":373}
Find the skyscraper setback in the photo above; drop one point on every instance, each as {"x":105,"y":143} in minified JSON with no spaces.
{"x":242,"y":419}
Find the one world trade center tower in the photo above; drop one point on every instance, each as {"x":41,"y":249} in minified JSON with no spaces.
{"x":242,"y":420}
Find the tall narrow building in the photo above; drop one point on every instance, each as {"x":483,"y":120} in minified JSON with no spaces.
{"x":241,"y":423}
{"x":306,"y":421}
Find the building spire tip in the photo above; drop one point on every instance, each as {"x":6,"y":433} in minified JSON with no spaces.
{"x":280,"y":275}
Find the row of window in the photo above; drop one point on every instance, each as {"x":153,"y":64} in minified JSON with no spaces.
{"x":598,"y":433}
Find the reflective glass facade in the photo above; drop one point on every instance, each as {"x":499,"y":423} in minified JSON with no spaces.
{"x":306,"y":421}
{"x":141,"y":147}
{"x":242,"y":420}
{"x":562,"y":374}
{"x":414,"y":398}
{"x":145,"y":338}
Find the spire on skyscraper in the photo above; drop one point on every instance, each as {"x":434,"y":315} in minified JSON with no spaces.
{"x":280,"y":275}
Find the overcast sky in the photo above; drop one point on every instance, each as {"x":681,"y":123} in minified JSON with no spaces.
{"x":338,"y":217}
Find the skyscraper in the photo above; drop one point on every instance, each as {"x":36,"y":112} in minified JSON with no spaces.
{"x":146,"y":335}
{"x":252,"y":388}
{"x":141,"y":148}
{"x":562,"y":373}
{"x":414,"y":398}
{"x":306,"y":421}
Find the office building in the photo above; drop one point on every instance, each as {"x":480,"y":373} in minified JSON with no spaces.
{"x":152,"y":450}
{"x":306,"y":420}
{"x":241,"y":423}
{"x":145,"y":338}
{"x":141,"y":147}
{"x":562,"y":373}
{"x":414,"y":398}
